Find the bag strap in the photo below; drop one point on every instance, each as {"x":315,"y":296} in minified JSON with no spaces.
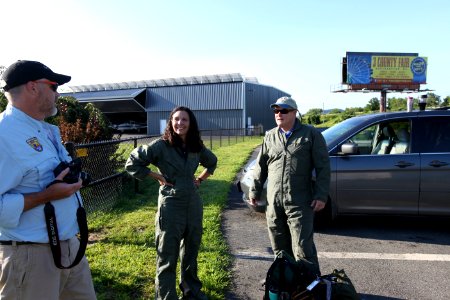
{"x":53,"y":236}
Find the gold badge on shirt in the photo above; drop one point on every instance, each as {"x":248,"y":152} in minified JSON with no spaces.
{"x":34,"y":143}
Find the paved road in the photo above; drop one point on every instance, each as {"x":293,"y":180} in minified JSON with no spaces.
{"x":249,"y":243}
{"x":386,"y":258}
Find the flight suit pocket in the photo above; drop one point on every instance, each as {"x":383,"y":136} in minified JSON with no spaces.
{"x":301,"y":158}
{"x":275,"y":158}
{"x":275,"y":152}
{"x":300,"y":191}
{"x":301,"y":145}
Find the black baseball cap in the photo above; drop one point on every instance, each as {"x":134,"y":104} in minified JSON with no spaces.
{"x":23,"y":71}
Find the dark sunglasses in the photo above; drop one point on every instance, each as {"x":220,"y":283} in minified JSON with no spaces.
{"x":53,"y":85}
{"x":282,"y":111}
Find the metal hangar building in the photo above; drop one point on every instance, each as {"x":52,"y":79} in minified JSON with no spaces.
{"x":223,"y":101}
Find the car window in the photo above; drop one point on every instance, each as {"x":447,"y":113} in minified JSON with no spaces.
{"x":364,"y":140}
{"x":436,"y":136}
{"x":333,"y":133}
{"x":383,"y":138}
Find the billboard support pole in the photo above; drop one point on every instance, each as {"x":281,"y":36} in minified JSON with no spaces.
{"x":383,"y":100}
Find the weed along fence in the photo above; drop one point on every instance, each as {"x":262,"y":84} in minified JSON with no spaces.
{"x":105,"y":162}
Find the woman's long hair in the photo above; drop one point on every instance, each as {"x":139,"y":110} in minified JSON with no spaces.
{"x":194,"y":142}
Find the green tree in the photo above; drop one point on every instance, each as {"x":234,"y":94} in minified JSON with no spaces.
{"x":433,"y":100}
{"x":335,"y":111}
{"x":396,"y":104}
{"x":446,"y":102}
{"x":313,"y":116}
{"x":350,"y":112}
{"x":315,"y":111}
{"x":373,"y":105}
{"x":313,"y":119}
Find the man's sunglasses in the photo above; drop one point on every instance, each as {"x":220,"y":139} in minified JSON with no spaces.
{"x":282,"y":111}
{"x":53,"y":85}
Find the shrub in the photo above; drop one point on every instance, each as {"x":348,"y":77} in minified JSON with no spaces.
{"x":3,"y":102}
{"x":84,"y":124}
{"x":80,"y":123}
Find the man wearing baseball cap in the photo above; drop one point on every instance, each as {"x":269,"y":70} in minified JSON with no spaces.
{"x":30,"y":150}
{"x":289,"y":154}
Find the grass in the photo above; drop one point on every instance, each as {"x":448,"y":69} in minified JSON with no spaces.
{"x":122,"y":251}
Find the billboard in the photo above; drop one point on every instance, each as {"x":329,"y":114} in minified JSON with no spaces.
{"x":378,"y":69}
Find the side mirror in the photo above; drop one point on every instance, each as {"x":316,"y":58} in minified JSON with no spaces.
{"x":348,"y":149}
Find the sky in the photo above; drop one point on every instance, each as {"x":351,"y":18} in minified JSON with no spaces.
{"x":293,"y":45}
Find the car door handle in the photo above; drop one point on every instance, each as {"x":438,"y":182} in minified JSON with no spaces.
{"x":403,"y":164}
{"x":437,"y":163}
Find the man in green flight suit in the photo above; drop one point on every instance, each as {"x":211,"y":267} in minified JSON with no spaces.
{"x":289,"y":154}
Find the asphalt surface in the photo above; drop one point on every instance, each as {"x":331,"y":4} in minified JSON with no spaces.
{"x":249,"y":243}
{"x":394,"y":273}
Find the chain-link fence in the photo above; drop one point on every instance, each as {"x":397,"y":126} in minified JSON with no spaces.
{"x":225,"y":137}
{"x":105,"y":162}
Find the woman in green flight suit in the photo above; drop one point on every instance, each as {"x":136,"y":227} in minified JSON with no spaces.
{"x":177,"y":155}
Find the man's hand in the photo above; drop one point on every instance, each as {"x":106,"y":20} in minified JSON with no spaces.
{"x":54,"y":192}
{"x":63,"y":190}
{"x":317,"y":205}
{"x":253,"y":202}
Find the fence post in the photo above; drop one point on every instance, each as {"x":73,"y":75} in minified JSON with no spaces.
{"x":210,"y":140}
{"x":136,"y":182}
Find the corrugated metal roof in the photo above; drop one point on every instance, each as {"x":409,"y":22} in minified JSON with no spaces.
{"x":205,"y":79}
{"x":86,"y":96}
{"x":118,"y":106}
{"x":112,"y":100}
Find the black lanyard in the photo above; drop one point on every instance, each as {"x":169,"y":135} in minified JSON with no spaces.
{"x":53,"y":236}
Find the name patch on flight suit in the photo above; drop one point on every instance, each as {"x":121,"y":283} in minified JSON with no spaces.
{"x":34,"y":143}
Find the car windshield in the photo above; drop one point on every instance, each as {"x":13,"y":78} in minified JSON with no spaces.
{"x":334,"y":132}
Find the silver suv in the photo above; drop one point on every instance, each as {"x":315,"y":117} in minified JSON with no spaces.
{"x":387,"y":163}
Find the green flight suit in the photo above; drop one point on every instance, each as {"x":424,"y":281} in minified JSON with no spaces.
{"x":288,"y":164}
{"x":179,"y":219}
